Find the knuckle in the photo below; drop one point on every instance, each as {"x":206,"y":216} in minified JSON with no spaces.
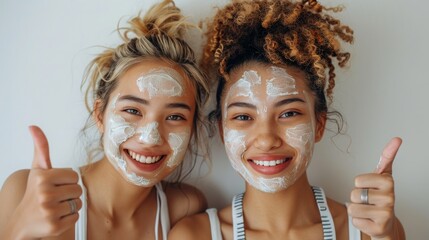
{"x":74,"y":176}
{"x":47,"y":213}
{"x":389,"y":182}
{"x":54,"y":229}
{"x":44,"y":196}
{"x":39,"y":179}
{"x":79,"y":190}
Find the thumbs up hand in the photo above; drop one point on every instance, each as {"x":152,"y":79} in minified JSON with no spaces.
{"x":373,"y":198}
{"x":51,"y":201}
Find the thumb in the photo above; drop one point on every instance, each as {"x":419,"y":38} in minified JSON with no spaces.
{"x":41,"y":149}
{"x":389,"y":152}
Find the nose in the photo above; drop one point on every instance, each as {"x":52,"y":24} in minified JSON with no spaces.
{"x":267,"y":139}
{"x":149,"y":134}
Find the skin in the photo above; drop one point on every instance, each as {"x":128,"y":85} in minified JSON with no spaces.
{"x":292,"y":213}
{"x":33,"y":204}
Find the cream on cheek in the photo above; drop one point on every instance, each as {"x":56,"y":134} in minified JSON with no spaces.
{"x":302,"y":138}
{"x":117,"y":132}
{"x":178,"y":143}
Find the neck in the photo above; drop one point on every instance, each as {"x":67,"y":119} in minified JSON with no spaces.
{"x":283,"y":210}
{"x":109,"y":194}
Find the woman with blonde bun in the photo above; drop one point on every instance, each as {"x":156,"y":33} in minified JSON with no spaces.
{"x":144,"y":98}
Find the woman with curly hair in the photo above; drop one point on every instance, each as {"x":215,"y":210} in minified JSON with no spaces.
{"x":274,"y":63}
{"x":146,"y":95}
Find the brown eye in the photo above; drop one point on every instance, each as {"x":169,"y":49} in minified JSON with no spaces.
{"x":132,"y":111}
{"x":242,"y":118}
{"x":289,"y":114}
{"x":175,"y":118}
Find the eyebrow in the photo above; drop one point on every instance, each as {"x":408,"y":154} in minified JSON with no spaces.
{"x":241,"y":104}
{"x":134,"y":99}
{"x":278,"y":104}
{"x":179,"y":105}
{"x":288,"y":101}
{"x":146,"y":102}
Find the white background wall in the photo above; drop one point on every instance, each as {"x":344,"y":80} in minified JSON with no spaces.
{"x":46,"y":44}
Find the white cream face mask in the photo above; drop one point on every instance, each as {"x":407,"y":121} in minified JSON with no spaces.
{"x":300,"y":137}
{"x":159,"y":82}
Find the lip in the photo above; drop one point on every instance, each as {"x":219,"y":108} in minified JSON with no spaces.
{"x":270,"y":170}
{"x":145,"y":167}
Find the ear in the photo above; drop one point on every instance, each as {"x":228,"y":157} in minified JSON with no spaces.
{"x":98,"y":115}
{"x":220,"y":127}
{"x":320,"y":126}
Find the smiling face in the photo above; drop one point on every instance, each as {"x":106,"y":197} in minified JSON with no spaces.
{"x":148,"y":122}
{"x":269,"y":126}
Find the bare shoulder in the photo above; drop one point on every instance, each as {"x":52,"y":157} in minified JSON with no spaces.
{"x":12,"y":193}
{"x":14,"y":186}
{"x":184,"y":200}
{"x":191,"y":227}
{"x":340,"y":217}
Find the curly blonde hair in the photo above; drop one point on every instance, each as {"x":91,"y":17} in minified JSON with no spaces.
{"x":279,"y":32}
{"x":157,"y":34}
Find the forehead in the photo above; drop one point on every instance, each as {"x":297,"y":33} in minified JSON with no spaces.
{"x":155,"y":68}
{"x":267,"y":72}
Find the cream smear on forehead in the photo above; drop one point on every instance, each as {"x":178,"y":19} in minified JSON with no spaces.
{"x":243,"y":87}
{"x":161,"y":81}
{"x":282,"y":84}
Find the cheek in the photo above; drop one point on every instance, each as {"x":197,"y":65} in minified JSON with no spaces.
{"x":178,"y":143}
{"x":301,"y":137}
{"x":235,"y":143}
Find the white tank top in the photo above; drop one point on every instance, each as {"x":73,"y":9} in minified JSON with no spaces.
{"x":161,"y":213}
{"x":238,"y":222}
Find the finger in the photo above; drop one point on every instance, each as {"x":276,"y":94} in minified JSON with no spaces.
{"x":65,"y":192}
{"x":374,"y":213}
{"x":61,"y":176}
{"x":375,"y":197}
{"x":374,"y":180}
{"x":386,"y":160}
{"x":41,"y":149}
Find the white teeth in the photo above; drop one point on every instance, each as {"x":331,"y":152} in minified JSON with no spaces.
{"x":144,"y":159}
{"x":270,"y":163}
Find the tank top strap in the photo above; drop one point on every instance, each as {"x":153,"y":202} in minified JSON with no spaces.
{"x":319,"y":195}
{"x":80,"y":232}
{"x":215,"y":230}
{"x":326,"y":217}
{"x":161,"y":212}
{"x":354,"y":233}
{"x":237,"y":217}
